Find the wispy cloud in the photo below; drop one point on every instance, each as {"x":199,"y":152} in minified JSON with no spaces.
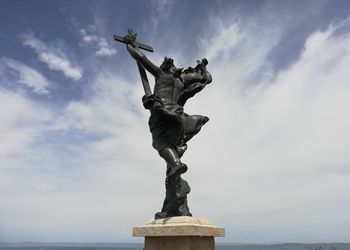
{"x":284,"y":150}
{"x":25,"y":75}
{"x":96,"y":169}
{"x":163,"y":7}
{"x":162,"y":10}
{"x":100,"y":44}
{"x":54,"y":57}
{"x":21,"y":125}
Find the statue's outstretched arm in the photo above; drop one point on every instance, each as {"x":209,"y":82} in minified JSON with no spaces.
{"x":199,"y":74}
{"x":141,"y":58}
{"x":194,"y":79}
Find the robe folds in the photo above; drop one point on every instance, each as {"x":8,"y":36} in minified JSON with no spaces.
{"x":170,"y":125}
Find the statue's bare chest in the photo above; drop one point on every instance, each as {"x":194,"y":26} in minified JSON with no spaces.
{"x":167,"y":86}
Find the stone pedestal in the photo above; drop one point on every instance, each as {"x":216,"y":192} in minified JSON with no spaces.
{"x":182,"y":232}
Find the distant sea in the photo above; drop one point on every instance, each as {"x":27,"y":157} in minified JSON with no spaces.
{"x":136,"y":246}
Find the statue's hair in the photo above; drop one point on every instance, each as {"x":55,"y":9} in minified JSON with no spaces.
{"x":168,"y":62}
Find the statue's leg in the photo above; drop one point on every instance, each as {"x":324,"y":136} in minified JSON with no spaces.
{"x":181,"y":148}
{"x":175,"y":203}
{"x":170,"y":196}
{"x":182,"y":189}
{"x":183,"y":210}
{"x":176,"y":198}
{"x":163,"y":214}
{"x":176,"y":167}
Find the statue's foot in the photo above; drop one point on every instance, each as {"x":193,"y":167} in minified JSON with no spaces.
{"x":160,"y":215}
{"x":177,"y":170}
{"x":183,"y":214}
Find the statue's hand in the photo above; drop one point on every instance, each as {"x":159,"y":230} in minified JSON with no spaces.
{"x":130,"y":38}
{"x":151,"y":102}
{"x":203,"y":63}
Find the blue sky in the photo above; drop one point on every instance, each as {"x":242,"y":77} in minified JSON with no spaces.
{"x":76,"y":162}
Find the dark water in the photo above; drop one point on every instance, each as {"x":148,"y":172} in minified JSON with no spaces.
{"x":288,"y":246}
{"x":68,"y":248}
{"x":111,"y":246}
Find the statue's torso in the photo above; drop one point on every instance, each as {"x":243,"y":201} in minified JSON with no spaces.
{"x":168,"y":88}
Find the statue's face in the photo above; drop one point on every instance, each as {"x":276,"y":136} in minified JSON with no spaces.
{"x":172,"y":69}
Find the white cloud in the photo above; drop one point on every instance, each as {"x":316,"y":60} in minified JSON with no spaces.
{"x":162,"y":10}
{"x":103,"y":48}
{"x":21,"y":123}
{"x":273,"y":158}
{"x":92,"y":178}
{"x":163,"y":7}
{"x":24,"y":75}
{"x":53,"y":56}
{"x":278,"y":143}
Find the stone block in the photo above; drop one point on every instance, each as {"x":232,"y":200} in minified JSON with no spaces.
{"x":182,"y":232}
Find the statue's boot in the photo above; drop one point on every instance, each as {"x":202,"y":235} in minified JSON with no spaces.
{"x":177,"y":170}
{"x":175,"y":166}
{"x":161,"y":215}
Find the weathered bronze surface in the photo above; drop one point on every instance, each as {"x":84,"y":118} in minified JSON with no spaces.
{"x":170,"y":126}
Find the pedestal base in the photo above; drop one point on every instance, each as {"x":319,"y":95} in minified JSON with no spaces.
{"x":182,"y":232}
{"x":179,"y":242}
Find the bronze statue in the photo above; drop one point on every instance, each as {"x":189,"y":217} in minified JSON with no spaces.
{"x":170,"y":126}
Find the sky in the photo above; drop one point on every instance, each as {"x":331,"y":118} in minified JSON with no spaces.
{"x":271,"y":165}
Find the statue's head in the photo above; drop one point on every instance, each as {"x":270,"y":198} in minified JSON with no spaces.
{"x":167,"y":64}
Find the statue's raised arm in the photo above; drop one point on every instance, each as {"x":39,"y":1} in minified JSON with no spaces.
{"x":135,"y":52}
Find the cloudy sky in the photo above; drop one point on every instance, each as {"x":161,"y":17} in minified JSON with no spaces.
{"x":273,"y":163}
